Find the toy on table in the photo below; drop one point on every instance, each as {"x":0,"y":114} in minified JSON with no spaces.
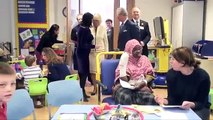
{"x":115,"y":112}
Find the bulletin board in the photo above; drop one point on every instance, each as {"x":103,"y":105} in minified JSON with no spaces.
{"x":33,"y":34}
{"x":32,"y":21}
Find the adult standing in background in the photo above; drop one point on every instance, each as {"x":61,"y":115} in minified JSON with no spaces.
{"x":110,"y":31}
{"x":128,"y":30}
{"x":83,"y":49}
{"x":74,"y":34}
{"x":101,"y":45}
{"x":144,"y":29}
{"x":48,"y":39}
{"x":188,"y":85}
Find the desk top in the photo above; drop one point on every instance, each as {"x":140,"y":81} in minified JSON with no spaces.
{"x":172,"y":113}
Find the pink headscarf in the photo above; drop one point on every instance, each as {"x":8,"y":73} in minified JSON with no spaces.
{"x":136,"y":67}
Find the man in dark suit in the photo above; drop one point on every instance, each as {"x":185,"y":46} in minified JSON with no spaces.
{"x":74,"y":34}
{"x":110,"y":32}
{"x":144,"y":29}
{"x":128,"y":30}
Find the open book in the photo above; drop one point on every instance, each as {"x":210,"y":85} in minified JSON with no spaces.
{"x":125,"y":84}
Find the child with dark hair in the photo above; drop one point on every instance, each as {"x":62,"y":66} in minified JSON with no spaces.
{"x":7,"y":87}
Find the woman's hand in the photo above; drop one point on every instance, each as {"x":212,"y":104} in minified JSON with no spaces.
{"x":160,"y":100}
{"x":187,"y":105}
{"x":139,"y":85}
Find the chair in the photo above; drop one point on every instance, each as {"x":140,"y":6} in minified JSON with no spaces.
{"x":108,"y":78}
{"x":71,"y":77}
{"x":22,"y":63}
{"x":20,"y":105}
{"x":63,"y":92}
{"x":38,"y":86}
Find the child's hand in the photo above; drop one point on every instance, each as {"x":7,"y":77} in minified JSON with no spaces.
{"x":18,"y":76}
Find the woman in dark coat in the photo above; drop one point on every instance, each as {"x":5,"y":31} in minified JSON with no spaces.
{"x":84,"y":45}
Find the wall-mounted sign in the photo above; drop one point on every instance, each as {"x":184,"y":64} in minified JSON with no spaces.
{"x":32,"y":11}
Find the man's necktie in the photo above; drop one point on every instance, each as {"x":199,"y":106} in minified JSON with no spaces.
{"x":137,"y":23}
{"x":122,"y":24}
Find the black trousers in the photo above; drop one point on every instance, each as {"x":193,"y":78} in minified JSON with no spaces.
{"x":203,"y":113}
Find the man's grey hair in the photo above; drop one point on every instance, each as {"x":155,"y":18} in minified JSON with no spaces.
{"x":121,"y":11}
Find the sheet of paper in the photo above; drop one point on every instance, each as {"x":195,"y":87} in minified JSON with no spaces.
{"x":173,"y":116}
{"x":72,"y":116}
{"x":149,"y":109}
{"x":25,"y":52}
{"x":126,"y":84}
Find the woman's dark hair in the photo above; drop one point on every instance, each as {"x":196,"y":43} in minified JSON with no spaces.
{"x":52,"y":29}
{"x":87,"y":19}
{"x":185,"y":56}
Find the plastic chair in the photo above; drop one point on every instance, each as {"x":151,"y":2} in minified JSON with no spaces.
{"x":71,"y":77}
{"x":108,"y":78}
{"x":211,"y":98}
{"x":22,"y":63}
{"x":20,"y":106}
{"x":63,"y":92}
{"x":37,"y":86}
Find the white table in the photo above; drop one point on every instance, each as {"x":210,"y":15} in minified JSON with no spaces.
{"x":166,"y":114}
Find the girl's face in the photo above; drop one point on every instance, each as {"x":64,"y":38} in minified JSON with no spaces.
{"x":175,"y":64}
{"x":7,"y":87}
{"x":137,"y":50}
{"x":44,"y":57}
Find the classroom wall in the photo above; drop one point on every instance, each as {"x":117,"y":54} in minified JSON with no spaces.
{"x":7,"y":22}
{"x":56,"y":16}
{"x":154,"y":8}
{"x":209,"y":19}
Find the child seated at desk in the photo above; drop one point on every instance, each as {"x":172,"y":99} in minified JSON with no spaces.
{"x":30,"y":72}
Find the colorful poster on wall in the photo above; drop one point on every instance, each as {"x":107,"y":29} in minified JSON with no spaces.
{"x":32,"y":11}
{"x":30,"y":37}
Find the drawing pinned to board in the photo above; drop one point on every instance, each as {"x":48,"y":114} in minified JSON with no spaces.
{"x":31,"y":36}
{"x":26,"y":34}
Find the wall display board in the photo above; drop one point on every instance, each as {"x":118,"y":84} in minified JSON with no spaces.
{"x":33,"y":35}
{"x":31,"y":23}
{"x":32,"y":11}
